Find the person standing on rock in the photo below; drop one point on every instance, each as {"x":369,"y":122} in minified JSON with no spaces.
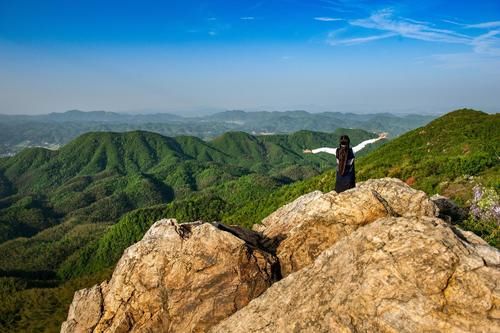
{"x":346,"y":175}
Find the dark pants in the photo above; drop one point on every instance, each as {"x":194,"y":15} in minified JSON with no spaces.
{"x":345,"y":182}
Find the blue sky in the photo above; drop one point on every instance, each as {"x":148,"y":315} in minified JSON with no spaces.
{"x":192,"y":57}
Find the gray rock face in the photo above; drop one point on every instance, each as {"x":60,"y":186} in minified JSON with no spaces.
{"x":178,"y":278}
{"x":397,"y":274}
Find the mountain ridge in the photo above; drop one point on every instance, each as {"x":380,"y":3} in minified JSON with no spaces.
{"x":52,"y":131}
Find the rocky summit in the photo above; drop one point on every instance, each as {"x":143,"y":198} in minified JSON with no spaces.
{"x":178,"y":278}
{"x":381,"y":257}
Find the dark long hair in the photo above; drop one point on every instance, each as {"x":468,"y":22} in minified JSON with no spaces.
{"x":343,"y":153}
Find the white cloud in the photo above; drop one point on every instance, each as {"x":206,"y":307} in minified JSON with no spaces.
{"x":358,"y":40}
{"x":327,"y":19}
{"x":383,"y":20}
{"x":487,"y":43}
{"x":247,"y":18}
{"x":453,"y":22}
{"x":416,"y":21}
{"x":484,"y":25}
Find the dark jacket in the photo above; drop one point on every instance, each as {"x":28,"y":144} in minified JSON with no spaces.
{"x":348,"y":180}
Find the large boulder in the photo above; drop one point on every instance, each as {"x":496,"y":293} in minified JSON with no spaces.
{"x":85,"y":310}
{"x":303,"y":229}
{"x":331,"y":217}
{"x":397,"y":274}
{"x":178,"y":278}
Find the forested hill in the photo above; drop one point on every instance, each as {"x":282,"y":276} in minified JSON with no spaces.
{"x":99,"y":176}
{"x":57,"y":207}
{"x":38,"y":169}
{"x":439,"y":156}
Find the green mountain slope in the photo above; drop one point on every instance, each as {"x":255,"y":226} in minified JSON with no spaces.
{"x":98,"y":177}
{"x":58,"y":208}
{"x":461,"y":143}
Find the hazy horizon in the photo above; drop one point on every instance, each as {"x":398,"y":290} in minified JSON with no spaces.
{"x":201,"y":57}
{"x":206,"y":112}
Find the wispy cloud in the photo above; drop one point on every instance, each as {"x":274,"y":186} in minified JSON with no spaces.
{"x":332,"y":40}
{"x":247,"y":18}
{"x":383,"y":20}
{"x":484,"y":25}
{"x":416,"y":21}
{"x":388,"y":25}
{"x":487,"y":43}
{"x":211,"y":18}
{"x":453,"y":22}
{"x":327,"y":19}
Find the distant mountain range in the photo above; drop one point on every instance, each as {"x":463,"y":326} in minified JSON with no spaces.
{"x":56,"y":129}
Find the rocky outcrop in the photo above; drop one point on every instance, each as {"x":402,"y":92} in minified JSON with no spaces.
{"x":397,"y":274}
{"x":85,"y":310}
{"x":401,"y":198}
{"x":283,"y":219}
{"x":303,"y":229}
{"x":336,"y":216}
{"x":178,"y":278}
{"x":376,"y":258}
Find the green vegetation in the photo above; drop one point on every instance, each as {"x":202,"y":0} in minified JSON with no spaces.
{"x":245,"y":201}
{"x":28,"y":307}
{"x":460,"y":144}
{"x":61,"y":200}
